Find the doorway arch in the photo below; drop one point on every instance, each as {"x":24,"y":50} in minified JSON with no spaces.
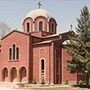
{"x":23,"y":74}
{"x":13,"y":74}
{"x":4,"y":74}
{"x":42,"y":71}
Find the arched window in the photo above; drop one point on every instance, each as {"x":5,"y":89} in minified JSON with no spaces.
{"x":10,"y":53}
{"x":17,"y":53}
{"x":40,"y":26}
{"x":13,"y":51}
{"x":42,"y":64}
{"x":52,"y":27}
{"x":28,"y":27}
{"x":0,"y":48}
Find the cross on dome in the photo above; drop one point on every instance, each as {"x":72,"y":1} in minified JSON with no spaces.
{"x":39,"y":4}
{"x":71,"y":26}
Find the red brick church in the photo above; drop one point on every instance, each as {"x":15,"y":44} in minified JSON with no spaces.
{"x":36,"y":53}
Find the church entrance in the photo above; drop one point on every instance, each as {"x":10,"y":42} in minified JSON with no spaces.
{"x":13,"y":75}
{"x":42,"y":71}
{"x":22,"y":74}
{"x":4,"y":74}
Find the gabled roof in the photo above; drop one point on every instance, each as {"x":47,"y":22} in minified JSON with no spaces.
{"x":13,"y":32}
{"x":49,"y":36}
{"x":68,"y":32}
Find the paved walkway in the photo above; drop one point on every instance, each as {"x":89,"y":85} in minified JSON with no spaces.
{"x":16,"y":87}
{"x":4,"y":88}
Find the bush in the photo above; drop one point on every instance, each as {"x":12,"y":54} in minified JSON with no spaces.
{"x":34,"y":81}
{"x":81,"y":82}
{"x":42,"y":82}
{"x":66,"y":82}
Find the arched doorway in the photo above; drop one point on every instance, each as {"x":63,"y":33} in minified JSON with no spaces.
{"x":13,"y":74}
{"x":22,"y":74}
{"x":4,"y":74}
{"x":42,"y":71}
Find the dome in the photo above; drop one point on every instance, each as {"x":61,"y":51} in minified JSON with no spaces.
{"x":38,"y":12}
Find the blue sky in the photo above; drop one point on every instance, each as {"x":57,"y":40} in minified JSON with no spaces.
{"x":65,"y":11}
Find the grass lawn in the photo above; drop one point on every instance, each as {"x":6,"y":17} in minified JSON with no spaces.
{"x":55,"y":88}
{"x":45,"y":88}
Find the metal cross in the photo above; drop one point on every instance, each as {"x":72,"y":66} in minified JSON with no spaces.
{"x":39,"y":4}
{"x":71,"y":26}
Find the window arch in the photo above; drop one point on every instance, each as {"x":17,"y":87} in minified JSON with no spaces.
{"x":0,"y":48}
{"x":52,"y":27}
{"x":13,"y":51}
{"x":17,"y":53}
{"x":40,"y":26}
{"x":28,"y":27}
{"x":42,"y":64}
{"x":10,"y":53}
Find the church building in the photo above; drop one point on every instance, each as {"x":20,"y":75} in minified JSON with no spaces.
{"x":38,"y":53}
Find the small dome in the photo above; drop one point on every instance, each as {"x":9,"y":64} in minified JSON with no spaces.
{"x":38,"y":12}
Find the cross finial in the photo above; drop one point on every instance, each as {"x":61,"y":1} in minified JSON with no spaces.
{"x":71,"y":26}
{"x":39,"y":4}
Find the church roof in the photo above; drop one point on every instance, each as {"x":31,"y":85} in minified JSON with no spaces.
{"x":13,"y":32}
{"x":46,"y":42}
{"x":53,"y":35}
{"x":38,"y":12}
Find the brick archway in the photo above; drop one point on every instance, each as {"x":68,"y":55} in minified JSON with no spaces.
{"x":4,"y":74}
{"x":42,"y":70}
{"x":23,"y":74}
{"x":13,"y":74}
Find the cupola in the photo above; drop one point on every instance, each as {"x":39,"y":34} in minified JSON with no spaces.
{"x":39,"y":20}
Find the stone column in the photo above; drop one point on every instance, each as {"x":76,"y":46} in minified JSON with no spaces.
{"x":18,"y":76}
{"x":1,"y":76}
{"x":9,"y":76}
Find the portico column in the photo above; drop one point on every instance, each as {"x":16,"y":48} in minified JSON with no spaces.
{"x":1,"y":76}
{"x":28,"y":75}
{"x":18,"y":76}
{"x":9,"y":76}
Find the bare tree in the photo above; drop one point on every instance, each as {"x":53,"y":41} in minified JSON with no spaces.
{"x":4,"y":29}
